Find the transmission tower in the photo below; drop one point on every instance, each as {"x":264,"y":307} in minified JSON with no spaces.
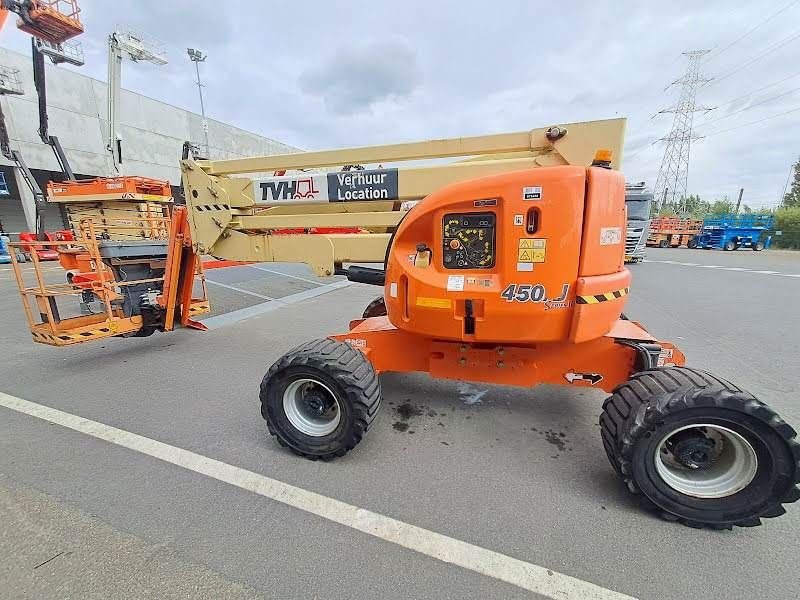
{"x":674,"y":171}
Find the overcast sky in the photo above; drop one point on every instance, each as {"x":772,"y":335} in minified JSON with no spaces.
{"x":333,"y":73}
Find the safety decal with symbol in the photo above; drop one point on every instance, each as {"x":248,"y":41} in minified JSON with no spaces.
{"x":530,"y":251}
{"x":592,"y":378}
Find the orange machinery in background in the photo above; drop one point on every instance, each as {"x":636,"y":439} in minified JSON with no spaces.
{"x":674,"y":232}
{"x":120,"y":208}
{"x":140,"y":286}
{"x":54,"y":21}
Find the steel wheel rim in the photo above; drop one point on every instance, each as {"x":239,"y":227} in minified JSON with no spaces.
{"x":733,"y":467}
{"x":299,"y":404}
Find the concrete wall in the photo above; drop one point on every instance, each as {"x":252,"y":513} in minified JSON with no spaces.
{"x":152,"y":132}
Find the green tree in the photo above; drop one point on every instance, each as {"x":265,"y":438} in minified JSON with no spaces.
{"x":787,"y":221}
{"x":721,"y":207}
{"x":792,"y":197}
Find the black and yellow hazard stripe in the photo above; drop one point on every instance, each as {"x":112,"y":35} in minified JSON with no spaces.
{"x":597,"y":298}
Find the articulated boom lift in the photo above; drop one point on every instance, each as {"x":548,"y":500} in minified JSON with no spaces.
{"x":509,"y":269}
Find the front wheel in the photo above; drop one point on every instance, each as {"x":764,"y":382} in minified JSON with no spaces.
{"x":320,"y":399}
{"x":692,"y":243}
{"x":663,"y":244}
{"x":699,"y":449}
{"x":729,"y":245}
{"x":758,"y":246}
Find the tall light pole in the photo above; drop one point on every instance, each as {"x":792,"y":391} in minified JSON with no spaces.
{"x":197,"y":57}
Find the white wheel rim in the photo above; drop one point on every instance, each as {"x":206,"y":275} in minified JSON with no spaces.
{"x":733,"y":465}
{"x":300,"y":399}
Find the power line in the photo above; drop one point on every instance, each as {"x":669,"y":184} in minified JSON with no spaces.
{"x":747,"y":63}
{"x":751,"y":106}
{"x":714,"y":55}
{"x":673,"y":174}
{"x":751,"y":92}
{"x":753,"y":122}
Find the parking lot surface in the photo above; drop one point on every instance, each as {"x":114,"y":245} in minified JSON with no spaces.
{"x":518,"y":472}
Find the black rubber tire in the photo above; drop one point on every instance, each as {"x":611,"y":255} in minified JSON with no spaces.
{"x":349,"y":376}
{"x":758,"y":246}
{"x":651,"y":403}
{"x":729,"y":245}
{"x":663,"y":244}
{"x":376,"y":308}
{"x":691,"y":244}
{"x":21,"y":257}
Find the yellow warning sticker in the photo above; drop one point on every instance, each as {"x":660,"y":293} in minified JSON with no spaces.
{"x":530,"y":243}
{"x":433,"y":302}
{"x":531,"y":250}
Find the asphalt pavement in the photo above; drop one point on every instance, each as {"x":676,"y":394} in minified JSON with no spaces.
{"x":518,"y":472}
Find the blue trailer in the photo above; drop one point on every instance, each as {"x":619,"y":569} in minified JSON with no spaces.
{"x":731,"y":232}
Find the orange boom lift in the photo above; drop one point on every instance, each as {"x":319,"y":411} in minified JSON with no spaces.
{"x":503,"y":265}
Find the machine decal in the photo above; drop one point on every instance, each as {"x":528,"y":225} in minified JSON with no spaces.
{"x":519,"y":219}
{"x":561,"y":301}
{"x":393,"y":289}
{"x":530,"y":251}
{"x":349,"y":186}
{"x":339,"y":186}
{"x":665,"y":357}
{"x":434,"y":302}
{"x":596,"y":298}
{"x":610,"y":236}
{"x":524,"y":292}
{"x":532,"y":193}
{"x":481,"y":203}
{"x":455,"y":283}
{"x":287,"y":189}
{"x":592,"y":378}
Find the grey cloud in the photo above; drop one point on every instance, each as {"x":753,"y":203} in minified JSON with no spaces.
{"x":357,"y":77}
{"x":443,"y":69}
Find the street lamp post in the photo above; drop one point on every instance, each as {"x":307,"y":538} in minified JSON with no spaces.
{"x":197,"y":57}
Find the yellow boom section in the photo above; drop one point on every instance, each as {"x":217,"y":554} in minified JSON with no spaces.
{"x":272,"y":217}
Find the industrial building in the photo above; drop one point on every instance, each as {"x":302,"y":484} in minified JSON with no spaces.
{"x":152,"y":134}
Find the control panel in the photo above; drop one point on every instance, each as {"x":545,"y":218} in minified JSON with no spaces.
{"x":468,"y":240}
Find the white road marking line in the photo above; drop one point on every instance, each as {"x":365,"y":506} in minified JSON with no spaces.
{"x":274,"y":272}
{"x":723,"y":268}
{"x":236,"y":316}
{"x":435,"y":545}
{"x":237,"y":289}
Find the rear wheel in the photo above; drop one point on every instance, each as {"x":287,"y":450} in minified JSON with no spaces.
{"x":729,"y":245}
{"x":320,"y":399}
{"x":663,"y":244}
{"x":692,"y":243}
{"x":699,"y":449}
{"x":376,"y":308}
{"x":758,"y":246}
